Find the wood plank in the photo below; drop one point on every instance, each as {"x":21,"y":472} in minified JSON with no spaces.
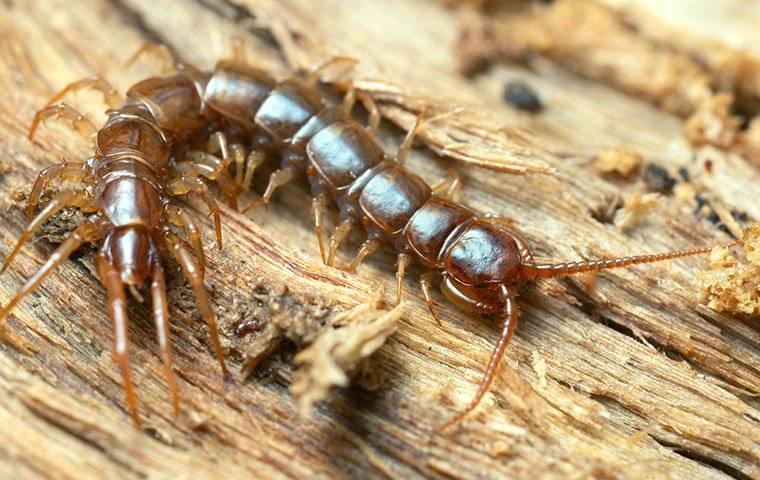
{"x":581,"y":393}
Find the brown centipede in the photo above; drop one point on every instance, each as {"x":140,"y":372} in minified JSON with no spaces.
{"x":129,"y":191}
{"x":481,"y":262}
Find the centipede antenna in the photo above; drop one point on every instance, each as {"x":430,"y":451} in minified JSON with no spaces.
{"x":551,"y":270}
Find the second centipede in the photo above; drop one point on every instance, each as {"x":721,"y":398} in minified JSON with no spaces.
{"x":482,"y":264}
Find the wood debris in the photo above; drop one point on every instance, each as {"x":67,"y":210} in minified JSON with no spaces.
{"x":621,"y":161}
{"x":339,"y":349}
{"x":732,"y":285}
{"x":750,"y":141}
{"x":713,"y":123}
{"x":634,"y":209}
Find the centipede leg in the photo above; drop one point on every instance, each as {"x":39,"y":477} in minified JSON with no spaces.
{"x":161,"y":319}
{"x":181,"y":218}
{"x":238,"y":156}
{"x":201,"y":189}
{"x":253,"y":161}
{"x":293,"y":56}
{"x":84,"y":233}
{"x":158,"y":50}
{"x":367,"y":248}
{"x":117,"y":310}
{"x":213,"y":168}
{"x":402,"y":262}
{"x":425,"y":283}
{"x":110,"y":96}
{"x":192,"y":273}
{"x":79,"y":122}
{"x":277,"y":179}
{"x":238,"y":53}
{"x":349,"y":99}
{"x":373,"y":123}
{"x":406,"y":145}
{"x":210,"y":202}
{"x":68,"y":198}
{"x":449,"y":186}
{"x":78,"y":171}
{"x":218,"y":143}
{"x":507,"y":329}
{"x":316,"y":71}
{"x":182,"y":184}
{"x":317,"y":209}
{"x":336,"y":238}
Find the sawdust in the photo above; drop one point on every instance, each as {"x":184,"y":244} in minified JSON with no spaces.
{"x":634,"y":209}
{"x":339,"y":349}
{"x":713,"y":124}
{"x":621,"y":161}
{"x":731,"y":284}
{"x":279,"y":316}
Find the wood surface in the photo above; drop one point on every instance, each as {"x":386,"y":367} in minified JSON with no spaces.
{"x":623,"y":376}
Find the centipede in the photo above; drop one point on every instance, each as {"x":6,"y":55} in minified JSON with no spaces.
{"x":481,"y":262}
{"x":144,"y":162}
{"x":131,"y":189}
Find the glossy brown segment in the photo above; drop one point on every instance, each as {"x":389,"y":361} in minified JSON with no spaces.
{"x":342,"y":152}
{"x":391,"y":197}
{"x":291,"y":104}
{"x":237,"y":91}
{"x":431,"y":226}
{"x":131,"y":129}
{"x":294,"y":155}
{"x":174,"y":102}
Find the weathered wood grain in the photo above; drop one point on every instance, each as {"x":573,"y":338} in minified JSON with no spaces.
{"x":629,"y":379}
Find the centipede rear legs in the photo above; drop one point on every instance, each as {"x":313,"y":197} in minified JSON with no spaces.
{"x":509,"y":316}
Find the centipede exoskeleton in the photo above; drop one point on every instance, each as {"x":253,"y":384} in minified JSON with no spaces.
{"x":481,"y":262}
{"x":129,"y":190}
